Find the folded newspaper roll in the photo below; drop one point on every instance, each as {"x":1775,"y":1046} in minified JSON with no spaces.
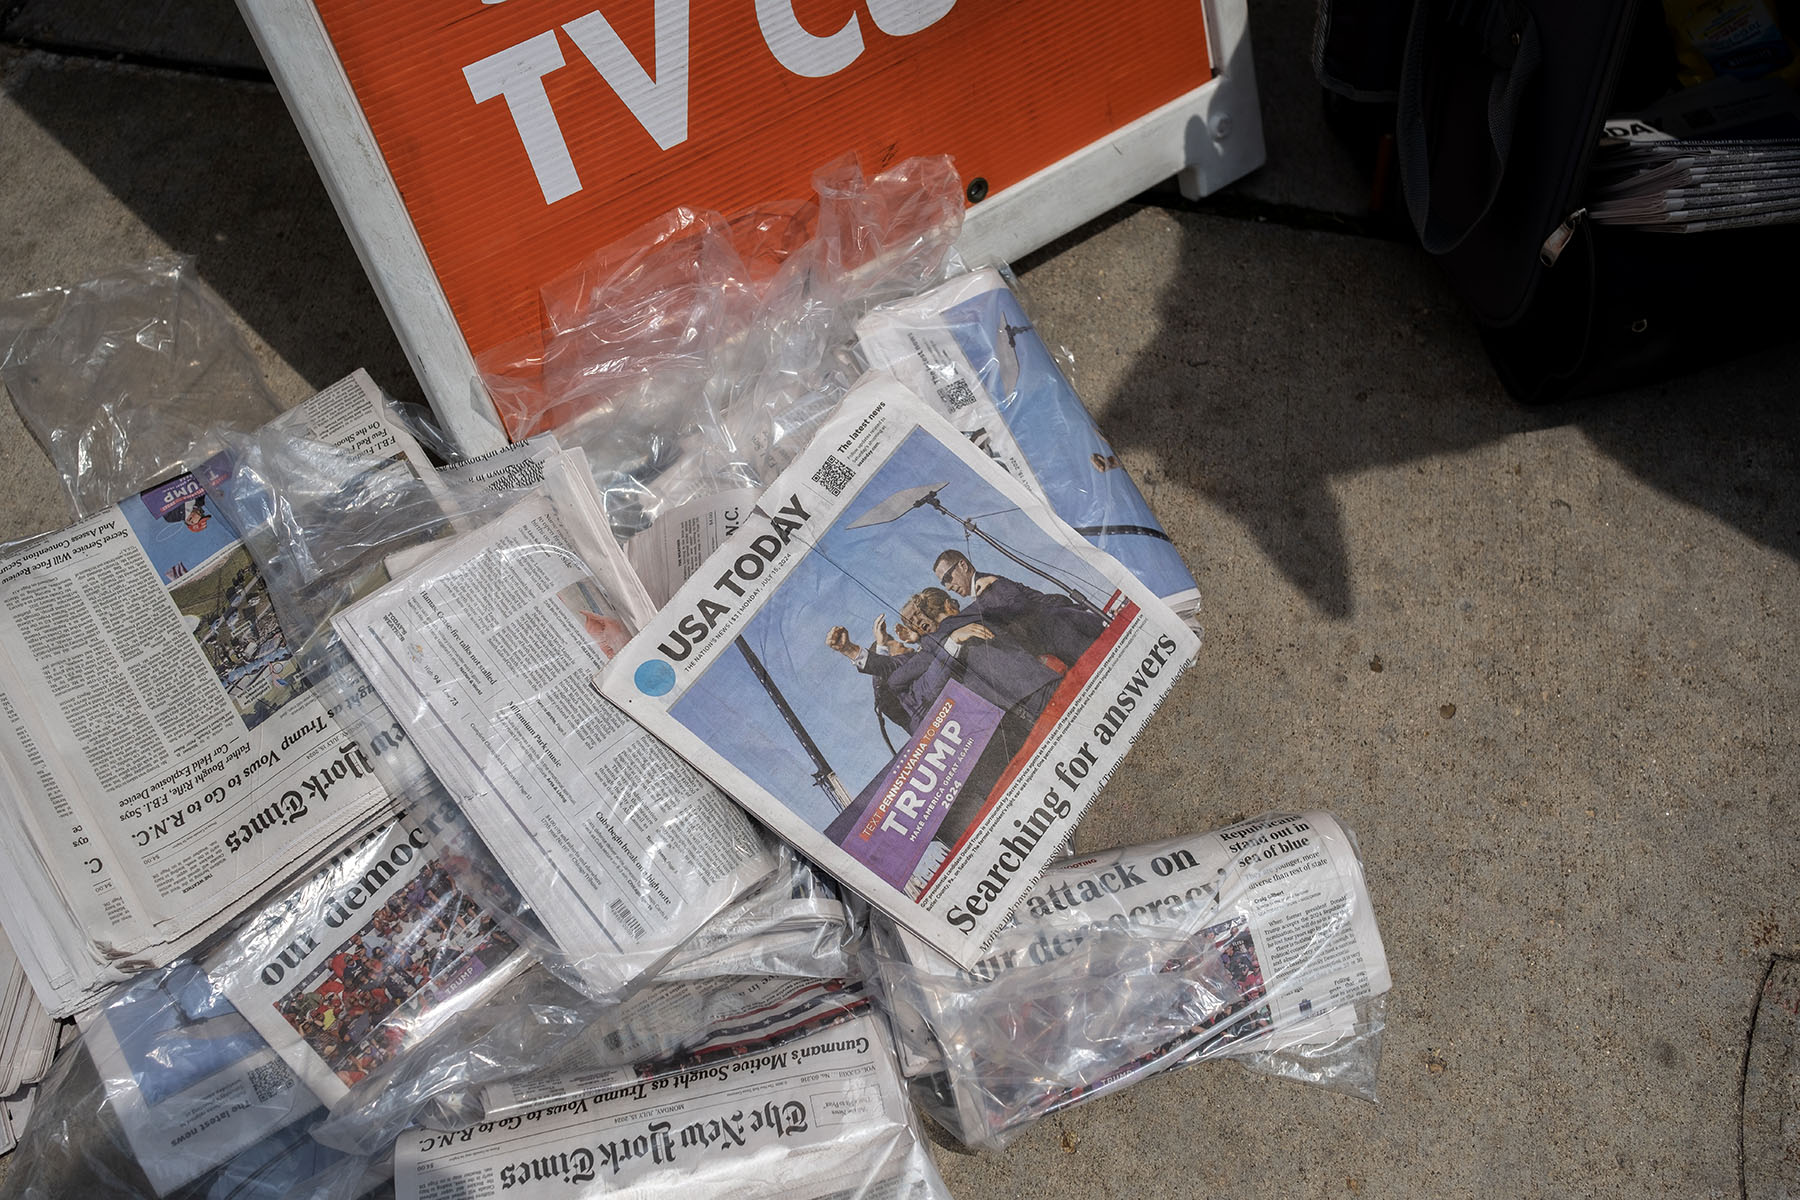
{"x":489,"y":652}
{"x":1122,"y":964}
{"x":822,"y":1117}
{"x":1012,"y":690}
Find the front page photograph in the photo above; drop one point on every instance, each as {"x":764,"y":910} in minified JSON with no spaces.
{"x":370,"y":955}
{"x":908,"y":667}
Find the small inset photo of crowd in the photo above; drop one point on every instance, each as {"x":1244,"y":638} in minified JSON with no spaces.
{"x":429,"y":941}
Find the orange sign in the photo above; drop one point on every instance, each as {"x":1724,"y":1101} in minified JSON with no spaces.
{"x":525,"y":134}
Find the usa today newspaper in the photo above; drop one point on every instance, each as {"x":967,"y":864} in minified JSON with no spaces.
{"x":908,"y":667}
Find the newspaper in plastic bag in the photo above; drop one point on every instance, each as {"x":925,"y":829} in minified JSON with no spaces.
{"x":166,"y":759}
{"x":1011,"y":713}
{"x":190,"y":1082}
{"x":969,"y":349}
{"x":171,"y":1093}
{"x":823,"y":1117}
{"x":372,"y":952}
{"x":1257,"y":938}
{"x":490,"y":651}
{"x":678,"y":1025}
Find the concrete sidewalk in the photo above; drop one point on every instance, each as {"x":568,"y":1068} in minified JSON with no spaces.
{"x":1542,"y":661}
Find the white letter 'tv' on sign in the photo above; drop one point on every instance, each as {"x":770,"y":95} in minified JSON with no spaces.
{"x":517,"y":74}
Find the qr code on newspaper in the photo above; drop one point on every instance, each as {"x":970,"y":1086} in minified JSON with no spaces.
{"x":833,"y":474}
{"x":270,"y":1080}
{"x":956,"y":394}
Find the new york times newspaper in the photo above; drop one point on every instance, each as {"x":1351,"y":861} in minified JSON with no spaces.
{"x":908,"y":667}
{"x":371,"y":953}
{"x":163,"y":756}
{"x":822,"y":1116}
{"x":1136,"y":960}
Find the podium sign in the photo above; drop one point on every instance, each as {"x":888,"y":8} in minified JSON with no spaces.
{"x":478,"y":149}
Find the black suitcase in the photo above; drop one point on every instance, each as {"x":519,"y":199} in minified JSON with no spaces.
{"x":1497,"y":110}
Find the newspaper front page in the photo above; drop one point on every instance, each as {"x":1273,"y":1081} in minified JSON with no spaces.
{"x":908,"y":667}
{"x":163,"y":756}
{"x":1135,"y":960}
{"x":370,"y":954}
{"x":823,"y":1116}
{"x":491,"y":649}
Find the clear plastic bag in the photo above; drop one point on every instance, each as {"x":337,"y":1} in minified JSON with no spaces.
{"x":793,"y":924}
{"x":1341,"y":1056}
{"x":1256,"y":941}
{"x":373,"y":951}
{"x":121,"y":379}
{"x":321,"y":522}
{"x":968,"y":349}
{"x":691,"y":360}
{"x":676,"y":1025}
{"x":171,"y":1093}
{"x":541,"y":1040}
{"x":876,"y":240}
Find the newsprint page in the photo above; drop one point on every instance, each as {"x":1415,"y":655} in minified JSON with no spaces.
{"x":489,"y":650}
{"x":908,"y":667}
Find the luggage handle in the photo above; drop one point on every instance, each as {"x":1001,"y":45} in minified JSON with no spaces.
{"x":1501,"y":34}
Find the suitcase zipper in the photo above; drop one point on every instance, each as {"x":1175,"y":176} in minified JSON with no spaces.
{"x":1559,"y":237}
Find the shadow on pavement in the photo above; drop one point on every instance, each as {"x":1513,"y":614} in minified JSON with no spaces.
{"x":216,"y":169}
{"x":1276,"y":375}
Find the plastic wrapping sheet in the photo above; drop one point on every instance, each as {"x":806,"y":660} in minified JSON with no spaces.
{"x":793,"y":924}
{"x":644,"y":324}
{"x":172,"y":1094}
{"x":321,"y":522}
{"x":968,"y":349}
{"x":1341,"y":1055}
{"x":877,"y":240}
{"x":1256,"y":940}
{"x":692,"y":359}
{"x":122,"y":378}
{"x":821,"y":1115}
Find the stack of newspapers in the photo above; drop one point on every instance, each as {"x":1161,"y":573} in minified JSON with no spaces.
{"x":168,"y":762}
{"x":581,"y":819}
{"x":1711,"y":177}
{"x":28,"y":1040}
